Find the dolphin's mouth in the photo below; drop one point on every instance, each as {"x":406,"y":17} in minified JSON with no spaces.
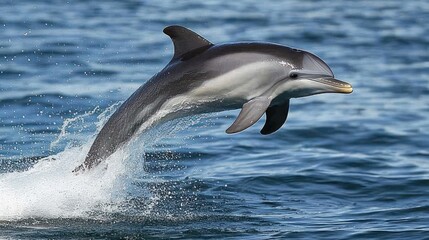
{"x":335,"y":85}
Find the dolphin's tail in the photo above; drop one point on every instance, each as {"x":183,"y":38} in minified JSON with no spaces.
{"x":109,"y":139}
{"x":91,"y":160}
{"x":80,"y":168}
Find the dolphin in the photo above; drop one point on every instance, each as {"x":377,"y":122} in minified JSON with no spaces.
{"x":202,"y":77}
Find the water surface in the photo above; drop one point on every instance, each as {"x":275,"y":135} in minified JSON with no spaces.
{"x":343,"y":167}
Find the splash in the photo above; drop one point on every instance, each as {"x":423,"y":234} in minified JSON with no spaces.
{"x":76,"y":125}
{"x":67,"y":123}
{"x":50,"y":190}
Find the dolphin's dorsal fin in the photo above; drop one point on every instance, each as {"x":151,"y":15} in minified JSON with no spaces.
{"x":186,"y":41}
{"x":251,"y":112}
{"x":276,"y":117}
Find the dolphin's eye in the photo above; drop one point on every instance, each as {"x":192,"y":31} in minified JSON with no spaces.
{"x":293,"y":75}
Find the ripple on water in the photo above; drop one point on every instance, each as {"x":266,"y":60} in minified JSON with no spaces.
{"x":343,"y":167}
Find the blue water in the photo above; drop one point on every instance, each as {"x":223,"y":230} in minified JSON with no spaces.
{"x":343,"y":167}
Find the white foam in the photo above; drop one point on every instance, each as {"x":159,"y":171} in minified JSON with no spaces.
{"x":51,"y":190}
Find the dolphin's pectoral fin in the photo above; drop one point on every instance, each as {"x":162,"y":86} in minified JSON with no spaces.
{"x":186,"y":42}
{"x":251,"y":112}
{"x":276,"y":117}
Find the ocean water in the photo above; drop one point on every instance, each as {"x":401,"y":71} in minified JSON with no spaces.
{"x":342,"y":167}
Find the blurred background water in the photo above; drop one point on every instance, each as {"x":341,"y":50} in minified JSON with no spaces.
{"x":343,"y":167}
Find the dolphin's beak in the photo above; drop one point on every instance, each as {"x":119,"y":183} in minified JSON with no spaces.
{"x":334,"y":85}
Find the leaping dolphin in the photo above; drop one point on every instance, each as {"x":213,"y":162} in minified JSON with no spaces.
{"x":201,"y":77}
